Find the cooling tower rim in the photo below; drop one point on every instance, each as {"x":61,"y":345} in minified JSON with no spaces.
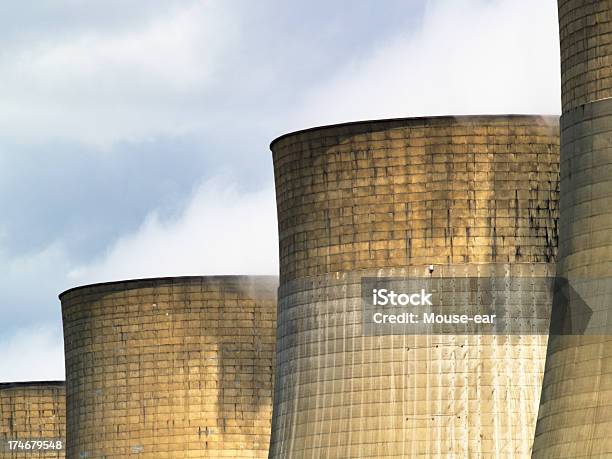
{"x":30,"y":384}
{"x":229,"y":277}
{"x":413,"y":118}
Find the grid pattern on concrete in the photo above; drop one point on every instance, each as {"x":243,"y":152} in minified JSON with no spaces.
{"x":585,"y":29}
{"x":170,"y":368}
{"x":341,"y":394}
{"x":575,"y":417}
{"x":32,"y":411}
{"x":417,"y":191}
{"x":474,"y":196}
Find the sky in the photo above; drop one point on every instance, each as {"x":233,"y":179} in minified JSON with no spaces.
{"x":134,"y":135}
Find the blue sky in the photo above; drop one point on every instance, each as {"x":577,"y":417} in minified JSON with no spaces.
{"x":134,"y":135}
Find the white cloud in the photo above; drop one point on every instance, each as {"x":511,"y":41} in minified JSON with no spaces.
{"x":163,"y":76}
{"x":30,"y":284}
{"x":35,"y":353}
{"x":100,"y":88}
{"x":470,"y":57}
{"x":221,"y":231}
{"x":176,"y":71}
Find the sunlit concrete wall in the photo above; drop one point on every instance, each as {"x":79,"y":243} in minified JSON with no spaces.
{"x":473,"y":196}
{"x":170,"y":368}
{"x":32,"y":411}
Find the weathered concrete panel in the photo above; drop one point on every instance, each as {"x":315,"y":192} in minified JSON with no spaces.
{"x":585,"y":29}
{"x":170,"y":368}
{"x":473,"y":196}
{"x":32,"y":411}
{"x":575,"y":417}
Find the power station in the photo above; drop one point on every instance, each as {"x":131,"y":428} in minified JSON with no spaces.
{"x":170,"y":367}
{"x":32,"y":420}
{"x":498,"y":219}
{"x":445,"y":197}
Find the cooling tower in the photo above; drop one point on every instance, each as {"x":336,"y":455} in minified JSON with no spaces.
{"x":442,"y":197}
{"x":170,"y":367}
{"x":575,"y":417}
{"x":32,"y":420}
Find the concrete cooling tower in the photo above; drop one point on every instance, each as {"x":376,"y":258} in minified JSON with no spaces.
{"x":447,"y":198}
{"x":32,"y":420}
{"x":575,"y":417}
{"x":170,"y":368}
